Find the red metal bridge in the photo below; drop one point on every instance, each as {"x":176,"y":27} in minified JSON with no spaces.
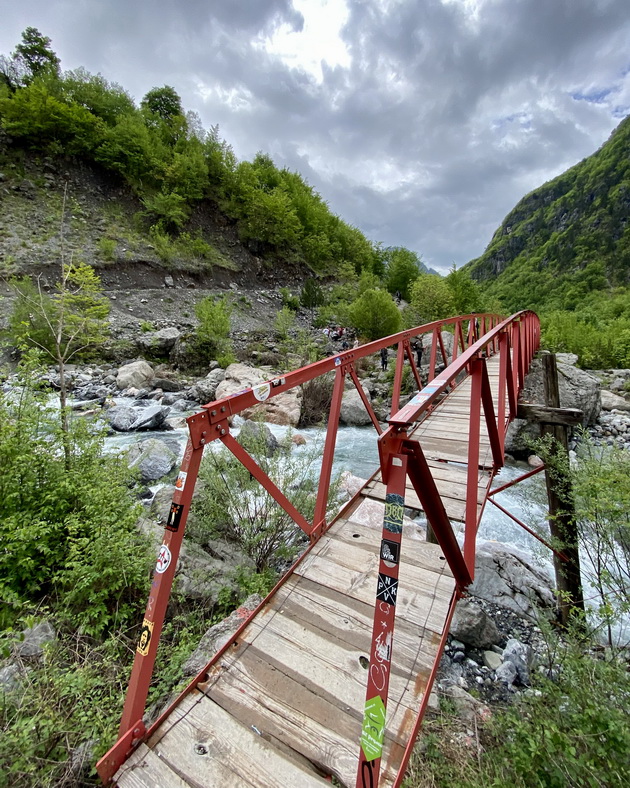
{"x":330,"y":677}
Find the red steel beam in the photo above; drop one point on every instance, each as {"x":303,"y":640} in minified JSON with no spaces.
{"x":472,"y":476}
{"x":381,"y":652}
{"x":424,"y":484}
{"x":153,"y":622}
{"x":321,"y":503}
{"x":364,"y":399}
{"x":257,"y":472}
{"x":400,"y":362}
{"x":491,"y":424}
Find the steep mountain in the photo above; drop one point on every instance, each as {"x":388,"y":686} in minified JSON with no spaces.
{"x":567,"y":238}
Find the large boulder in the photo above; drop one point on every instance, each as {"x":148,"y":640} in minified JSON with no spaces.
{"x":353,"y":412}
{"x":612,"y":401}
{"x":218,"y":635}
{"x":124,"y":418}
{"x":35,"y":639}
{"x":283,"y":408}
{"x":153,"y":458}
{"x":472,"y":625}
{"x":159,"y":342}
{"x":578,"y":389}
{"x":138,"y":375}
{"x":508,"y":577}
{"x":204,"y":390}
{"x":255,"y":436}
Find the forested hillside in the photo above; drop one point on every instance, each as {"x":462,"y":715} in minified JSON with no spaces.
{"x":568,"y":237}
{"x":564,"y":250}
{"x":172,"y":165}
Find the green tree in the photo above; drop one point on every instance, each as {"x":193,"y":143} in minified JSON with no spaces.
{"x":164,"y":103}
{"x":430,"y":299}
{"x":105,"y":100}
{"x":35,"y":115}
{"x":284,"y":322}
{"x":403,"y":268}
{"x":467,"y":295}
{"x":168,"y":208}
{"x":63,"y":325}
{"x":213,"y":331}
{"x":375,"y":315}
{"x":311,"y":295}
{"x":35,"y":55}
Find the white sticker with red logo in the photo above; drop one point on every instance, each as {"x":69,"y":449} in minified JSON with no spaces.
{"x":163,"y":560}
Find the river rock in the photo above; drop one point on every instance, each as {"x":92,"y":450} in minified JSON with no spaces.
{"x":166,"y":384}
{"x":510,"y":578}
{"x":10,"y":676}
{"x":472,"y":625}
{"x":125,"y":418}
{"x":34,"y":640}
{"x":466,"y":707}
{"x":578,"y":389}
{"x":492,"y":660}
{"x":153,"y":458}
{"x":137,"y":375}
{"x":353,"y":412}
{"x":255,"y":435}
{"x":204,"y":391}
{"x":612,"y":401}
{"x":521,"y":656}
{"x":158,"y":342}
{"x":284,"y":408}
{"x":218,"y":635}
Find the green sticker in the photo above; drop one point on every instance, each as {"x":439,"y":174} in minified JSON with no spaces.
{"x":373,"y":730}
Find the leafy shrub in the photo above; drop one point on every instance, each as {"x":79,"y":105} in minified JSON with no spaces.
{"x":107,"y":247}
{"x":289,"y":300}
{"x":234,"y":505}
{"x":573,"y":730}
{"x":68,"y":525}
{"x":375,"y":315}
{"x":213,"y":332}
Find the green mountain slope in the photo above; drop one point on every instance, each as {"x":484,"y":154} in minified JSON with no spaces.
{"x":566,"y":239}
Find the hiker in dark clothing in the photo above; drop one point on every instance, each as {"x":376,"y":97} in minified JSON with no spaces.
{"x":384,"y":358}
{"x":419,"y":350}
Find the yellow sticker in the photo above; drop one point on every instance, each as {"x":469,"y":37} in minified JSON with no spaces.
{"x":145,"y":637}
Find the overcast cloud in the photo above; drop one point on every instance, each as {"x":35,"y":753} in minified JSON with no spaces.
{"x":422,"y":122}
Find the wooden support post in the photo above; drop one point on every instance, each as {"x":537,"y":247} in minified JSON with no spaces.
{"x":561,"y":508}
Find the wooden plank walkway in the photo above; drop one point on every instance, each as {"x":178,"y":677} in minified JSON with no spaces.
{"x":284,"y":705}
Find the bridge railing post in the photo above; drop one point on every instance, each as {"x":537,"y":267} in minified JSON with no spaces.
{"x":472,"y":481}
{"x":329,"y":449}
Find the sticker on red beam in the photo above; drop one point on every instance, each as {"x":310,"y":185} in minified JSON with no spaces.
{"x":261,"y":392}
{"x":163,"y":560}
{"x":145,"y":637}
{"x":373,"y":728}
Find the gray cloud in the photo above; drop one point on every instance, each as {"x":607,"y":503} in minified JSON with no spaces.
{"x":439,"y":123}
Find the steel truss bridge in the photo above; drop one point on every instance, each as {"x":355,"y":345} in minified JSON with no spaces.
{"x":329,"y":678}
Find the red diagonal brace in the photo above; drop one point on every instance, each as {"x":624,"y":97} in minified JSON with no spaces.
{"x":488,"y":409}
{"x":257,"y":472}
{"x":424,"y":484}
{"x":364,"y":399}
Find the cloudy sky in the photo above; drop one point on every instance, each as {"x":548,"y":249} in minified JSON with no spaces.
{"x":422,"y":122}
